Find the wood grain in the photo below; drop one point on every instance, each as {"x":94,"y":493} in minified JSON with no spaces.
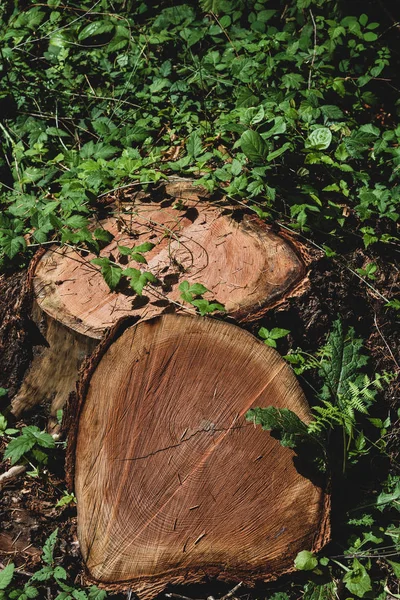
{"x":172,"y":482}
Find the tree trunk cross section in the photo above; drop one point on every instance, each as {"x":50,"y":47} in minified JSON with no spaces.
{"x":172,"y":482}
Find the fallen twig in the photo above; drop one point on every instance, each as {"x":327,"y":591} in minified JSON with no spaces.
{"x":12,"y":473}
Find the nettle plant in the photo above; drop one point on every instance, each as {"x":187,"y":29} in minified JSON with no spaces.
{"x":277,"y":107}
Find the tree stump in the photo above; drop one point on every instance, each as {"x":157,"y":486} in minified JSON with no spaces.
{"x":172,"y":483}
{"x":245,"y":264}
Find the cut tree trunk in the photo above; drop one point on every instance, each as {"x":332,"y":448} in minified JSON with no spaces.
{"x":172,"y":483}
{"x":245,"y":264}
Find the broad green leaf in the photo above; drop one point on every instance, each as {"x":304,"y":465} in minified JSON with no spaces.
{"x":112,"y":275}
{"x":146,"y":247}
{"x":95,"y":28}
{"x":138,"y":258}
{"x":13,"y":245}
{"x":49,"y":546}
{"x":17,"y":447}
{"x":395,"y":567}
{"x":276,"y":153}
{"x":96,"y":594}
{"x":124,"y":250}
{"x":253,"y":146}
{"x":277,"y":333}
{"x":6,"y":576}
{"x":194,"y":146}
{"x":76,"y":221}
{"x":198,"y":289}
{"x":305,"y":561}
{"x":30,"y":591}
{"x":357,"y":580}
{"x":320,"y":139}
{"x":44,"y":574}
{"x":103,"y":235}
{"x":184,"y":286}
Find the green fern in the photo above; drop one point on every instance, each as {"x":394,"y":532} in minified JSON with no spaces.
{"x":346,"y":394}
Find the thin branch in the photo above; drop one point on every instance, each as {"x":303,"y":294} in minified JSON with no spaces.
{"x":314,"y":50}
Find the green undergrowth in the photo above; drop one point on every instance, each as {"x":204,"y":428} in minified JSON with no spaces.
{"x":287,"y":108}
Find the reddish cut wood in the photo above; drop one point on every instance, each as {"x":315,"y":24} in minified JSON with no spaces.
{"x":245,"y":265}
{"x":172,"y":482}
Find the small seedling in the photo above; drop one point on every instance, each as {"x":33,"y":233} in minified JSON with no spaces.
{"x":368,"y":272}
{"x":271,"y":335}
{"x":193,"y":294}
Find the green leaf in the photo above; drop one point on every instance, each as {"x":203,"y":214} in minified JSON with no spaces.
{"x":60,"y":573}
{"x":198,"y":289}
{"x":103,"y":235}
{"x":277,"y":333}
{"x":357,"y":580}
{"x":44,"y":574}
{"x":112,"y":273}
{"x":30,"y":591}
{"x":253,"y":146}
{"x":194,"y":146}
{"x":184,"y":286}
{"x":76,"y":222}
{"x":13,"y":245}
{"x":276,"y":153}
{"x":285,"y":423}
{"x":323,"y":591}
{"x":95,"y":28}
{"x":96,"y":594}
{"x":6,"y":576}
{"x":124,"y":250}
{"x":138,"y":258}
{"x":146,"y":247}
{"x":319,"y":139}
{"x":305,"y":561}
{"x":395,"y":567}
{"x":17,"y":447}
{"x":48,"y":548}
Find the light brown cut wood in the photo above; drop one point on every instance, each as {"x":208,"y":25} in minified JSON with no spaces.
{"x":172,"y":482}
{"x":246,"y":266}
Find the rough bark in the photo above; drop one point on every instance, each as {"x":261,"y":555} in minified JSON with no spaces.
{"x":172,"y":483}
{"x":244,"y":263}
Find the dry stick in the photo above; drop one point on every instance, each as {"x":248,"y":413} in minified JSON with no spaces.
{"x":314,"y":50}
{"x":385,"y":342}
{"x":12,"y":473}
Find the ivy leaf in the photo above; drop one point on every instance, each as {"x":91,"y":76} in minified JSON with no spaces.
{"x":357,"y":581}
{"x":6,"y":576}
{"x":305,"y":561}
{"x":253,"y":146}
